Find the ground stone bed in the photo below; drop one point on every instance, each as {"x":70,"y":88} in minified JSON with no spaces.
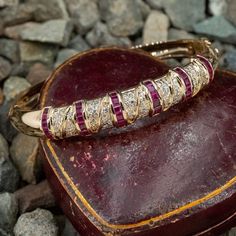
{"x":38,"y":35}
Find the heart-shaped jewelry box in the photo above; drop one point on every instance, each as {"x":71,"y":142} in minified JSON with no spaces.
{"x":174,"y":174}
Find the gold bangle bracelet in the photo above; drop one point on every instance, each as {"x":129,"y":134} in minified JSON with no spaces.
{"x":119,"y":109}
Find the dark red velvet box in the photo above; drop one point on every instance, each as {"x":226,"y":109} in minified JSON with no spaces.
{"x":174,"y":174}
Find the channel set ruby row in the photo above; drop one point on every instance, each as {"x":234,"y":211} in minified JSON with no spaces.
{"x":119,"y":109}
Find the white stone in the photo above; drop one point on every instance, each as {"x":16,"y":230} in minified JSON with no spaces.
{"x":156,"y":27}
{"x":217,"y":7}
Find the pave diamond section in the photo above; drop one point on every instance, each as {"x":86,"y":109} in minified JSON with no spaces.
{"x":69,"y":122}
{"x":176,"y":87}
{"x":92,"y":113}
{"x":144,"y":104}
{"x":130,"y":103}
{"x":187,"y":82}
{"x":44,"y":123}
{"x":80,"y":117}
{"x":106,"y":120}
{"x":61,"y":120}
{"x":117,"y":109}
{"x":165,"y":92}
{"x":155,"y":97}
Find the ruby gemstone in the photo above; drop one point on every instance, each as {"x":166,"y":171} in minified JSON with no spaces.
{"x":117,"y":108}
{"x":154,"y":95}
{"x":44,"y":123}
{"x":80,"y":118}
{"x":185,"y":77}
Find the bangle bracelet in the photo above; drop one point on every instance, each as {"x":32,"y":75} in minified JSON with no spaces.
{"x":121,"y":108}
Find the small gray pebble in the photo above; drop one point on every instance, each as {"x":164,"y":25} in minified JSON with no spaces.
{"x":36,"y":223}
{"x":13,"y":86}
{"x":8,"y":211}
{"x":79,"y":44}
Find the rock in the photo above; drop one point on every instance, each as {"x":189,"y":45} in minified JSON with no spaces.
{"x":60,"y":221}
{"x":123,"y":17}
{"x":7,"y":3}
{"x":15,"y":31}
{"x":217,"y":27}
{"x":13,"y":86}
{"x":230,"y":12}
{"x":84,"y":14}
{"x":4,"y":152}
{"x":21,"y":69}
{"x":217,"y":7}
{"x":79,"y":44}
{"x":37,"y":52}
{"x":4,"y":233}
{"x":69,"y":230}
{"x":5,"y":68}
{"x":38,"y":73}
{"x":183,"y":13}
{"x":27,"y":159}
{"x":9,"y":176}
{"x":144,"y":8}
{"x":9,"y":49}
{"x":6,"y":128}
{"x":52,"y":31}
{"x":100,"y":36}
{"x":174,"y":34}
{"x":42,"y":197}
{"x":65,"y":54}
{"x":17,"y":14}
{"x":156,"y":27}
{"x":39,"y":222}
{"x":156,"y":4}
{"x":48,"y":10}
{"x":1,"y":97}
{"x":8,"y":211}
{"x":228,"y":60}
{"x":232,"y":232}
{"x":1,"y":29}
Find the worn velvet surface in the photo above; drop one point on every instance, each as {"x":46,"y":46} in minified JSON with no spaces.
{"x":174,"y":173}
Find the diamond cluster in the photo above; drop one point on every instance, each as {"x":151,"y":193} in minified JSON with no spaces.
{"x":130,"y":104}
{"x":92,"y":114}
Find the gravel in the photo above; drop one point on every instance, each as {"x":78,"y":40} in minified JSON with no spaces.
{"x":217,"y":27}
{"x":13,"y":86}
{"x":123,"y":18}
{"x":84,"y":14}
{"x":37,"y":52}
{"x":26,"y":159}
{"x":183,"y":13}
{"x":8,"y":211}
{"x":36,"y":223}
{"x":64,"y":54}
{"x":5,"y":68}
{"x":9,"y":176}
{"x":101,"y":36}
{"x":156,"y":27}
{"x":52,"y":31}
{"x":10,"y":49}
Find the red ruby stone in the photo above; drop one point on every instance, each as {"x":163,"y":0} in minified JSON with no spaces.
{"x":154,"y":95}
{"x":80,"y":118}
{"x":185,"y":77}
{"x":117,"y":108}
{"x":208,"y":65}
{"x":44,"y":123}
